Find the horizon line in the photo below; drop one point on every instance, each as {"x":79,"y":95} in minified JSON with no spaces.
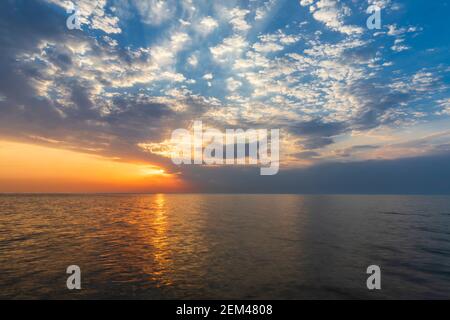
{"x":221,"y":193}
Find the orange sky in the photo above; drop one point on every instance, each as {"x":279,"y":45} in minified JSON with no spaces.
{"x":34,"y":169}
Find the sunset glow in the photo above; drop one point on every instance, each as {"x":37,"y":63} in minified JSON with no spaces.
{"x":32,"y":168}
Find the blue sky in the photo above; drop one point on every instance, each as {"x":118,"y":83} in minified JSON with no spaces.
{"x":139,"y":69}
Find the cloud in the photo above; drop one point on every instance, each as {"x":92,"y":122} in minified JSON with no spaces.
{"x":445,"y":106}
{"x":400,"y":34}
{"x":207,"y":25}
{"x":274,"y":42}
{"x":193,"y":60}
{"x":307,"y":155}
{"x":208,"y":76}
{"x":380,"y":3}
{"x":393,"y":30}
{"x":155,"y":12}
{"x":419,"y":175}
{"x":316,"y":134}
{"x":92,"y":13}
{"x":233,"y":84}
{"x":399,"y":46}
{"x":328,"y":12}
{"x":230,"y":48}
{"x":237,"y":18}
{"x":263,"y":11}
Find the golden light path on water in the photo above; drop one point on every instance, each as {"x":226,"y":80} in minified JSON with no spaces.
{"x":161,"y":243}
{"x":170,"y":237}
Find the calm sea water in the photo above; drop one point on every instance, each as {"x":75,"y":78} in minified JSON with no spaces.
{"x":224,"y":246}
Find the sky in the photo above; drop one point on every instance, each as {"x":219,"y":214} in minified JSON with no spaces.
{"x":359,"y":110}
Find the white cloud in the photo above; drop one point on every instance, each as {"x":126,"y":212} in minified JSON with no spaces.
{"x":379,"y":3}
{"x":208,"y":76}
{"x":263,"y":11}
{"x":106,"y":23}
{"x":399,"y":46}
{"x":306,"y":2}
{"x":207,"y":25}
{"x":445,"y":105}
{"x":92,"y":13}
{"x":233,"y":84}
{"x":165,"y":53}
{"x":173,"y":76}
{"x":237,"y":18}
{"x":395,"y":31}
{"x":155,"y":12}
{"x":230,"y":48}
{"x":274,"y":42}
{"x":184,"y":23}
{"x":423,"y":80}
{"x":328,"y":12}
{"x":193,"y":60}
{"x":267,"y":47}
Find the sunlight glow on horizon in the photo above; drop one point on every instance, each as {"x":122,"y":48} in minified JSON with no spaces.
{"x":35,"y":169}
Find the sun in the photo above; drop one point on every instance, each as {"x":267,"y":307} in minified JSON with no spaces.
{"x":152,"y":171}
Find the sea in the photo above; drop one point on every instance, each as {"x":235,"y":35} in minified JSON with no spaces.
{"x":224,"y":246}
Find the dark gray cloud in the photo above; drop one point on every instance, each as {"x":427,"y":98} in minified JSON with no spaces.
{"x":316,"y":133}
{"x":348,"y":152}
{"x":377,"y":102}
{"x":306,"y":155}
{"x":364,"y":147}
{"x":422,"y":175}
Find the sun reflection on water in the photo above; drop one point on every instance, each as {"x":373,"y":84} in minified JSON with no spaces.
{"x":163,"y":264}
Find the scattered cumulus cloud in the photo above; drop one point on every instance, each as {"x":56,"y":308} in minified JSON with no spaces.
{"x":92,"y":14}
{"x":233,"y":84}
{"x":207,"y":25}
{"x":332,"y":14}
{"x":155,"y":12}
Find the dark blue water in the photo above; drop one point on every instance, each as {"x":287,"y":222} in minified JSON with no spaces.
{"x":224,"y":246}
